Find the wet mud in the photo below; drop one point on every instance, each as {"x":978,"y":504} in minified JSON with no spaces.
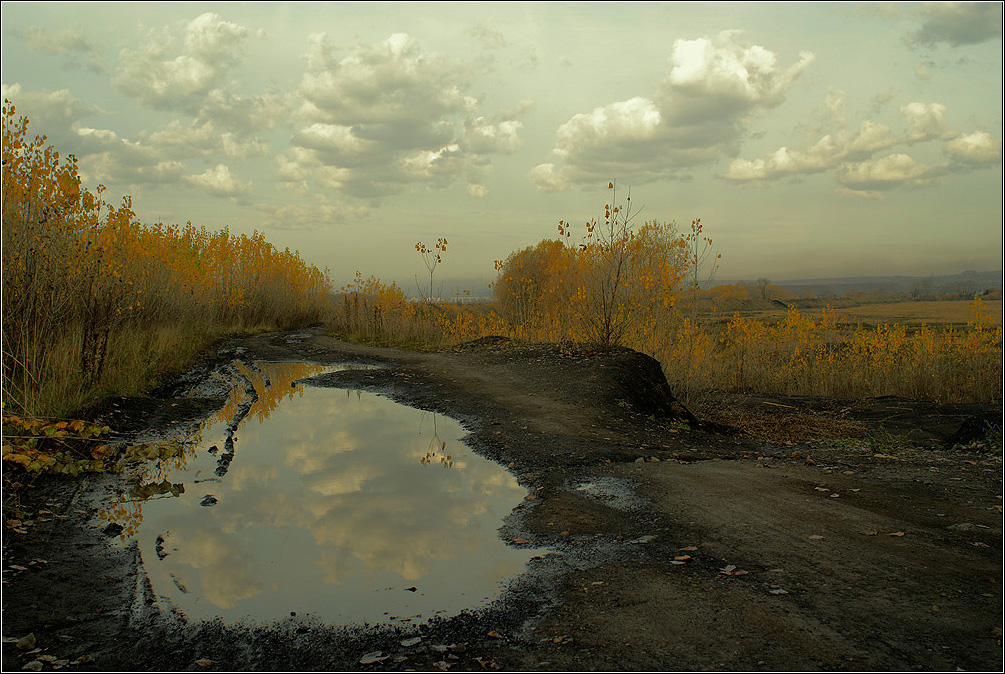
{"x":668,"y":543}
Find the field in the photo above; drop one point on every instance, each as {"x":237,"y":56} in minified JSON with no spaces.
{"x":913,"y":313}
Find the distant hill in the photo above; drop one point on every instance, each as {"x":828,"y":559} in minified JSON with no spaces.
{"x":967,"y":283}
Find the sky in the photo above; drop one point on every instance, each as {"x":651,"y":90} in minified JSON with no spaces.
{"x":812,"y":139}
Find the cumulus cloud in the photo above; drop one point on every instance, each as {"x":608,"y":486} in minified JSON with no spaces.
{"x":218,"y":181}
{"x":385,"y":116}
{"x":886,"y":173}
{"x":56,"y":114}
{"x":922,"y":121}
{"x":975,"y":148}
{"x":162,"y":78}
{"x":958,"y":23}
{"x":698,"y":113}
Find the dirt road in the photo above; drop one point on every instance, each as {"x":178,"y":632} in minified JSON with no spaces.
{"x":673,"y":547}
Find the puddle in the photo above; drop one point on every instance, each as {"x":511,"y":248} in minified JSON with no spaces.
{"x":340,"y":505}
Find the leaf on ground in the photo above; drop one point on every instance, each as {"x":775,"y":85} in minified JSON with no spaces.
{"x":520,"y":541}
{"x":26,"y":643}
{"x":495,"y":635}
{"x":869,"y":532}
{"x":690,"y":548}
{"x":204,"y":662}
{"x":898,"y":534}
{"x":815,"y":537}
{"x":682,"y":558}
{"x":33,"y":666}
{"x":777,"y":590}
{"x":372,"y":657}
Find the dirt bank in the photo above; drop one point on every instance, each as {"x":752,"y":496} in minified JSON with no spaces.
{"x":673,"y":547}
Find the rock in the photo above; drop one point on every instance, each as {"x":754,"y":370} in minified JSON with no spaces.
{"x":26,"y":643}
{"x":208,"y":501}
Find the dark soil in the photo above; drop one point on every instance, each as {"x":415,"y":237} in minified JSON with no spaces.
{"x":778,"y":533}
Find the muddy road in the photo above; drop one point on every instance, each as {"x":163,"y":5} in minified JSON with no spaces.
{"x":669,"y":547}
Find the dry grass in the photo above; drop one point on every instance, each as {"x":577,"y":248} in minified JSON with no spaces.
{"x":778,"y":424}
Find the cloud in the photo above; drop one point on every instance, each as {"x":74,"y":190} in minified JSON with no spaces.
{"x":927,"y":121}
{"x":383,"y":117}
{"x":958,"y":23}
{"x":885,"y":173}
{"x":218,"y":181}
{"x":975,"y":148}
{"x":923,"y":121}
{"x":160,"y":79}
{"x":308,"y":215}
{"x":52,"y":113}
{"x":697,"y":114}
{"x":69,"y":42}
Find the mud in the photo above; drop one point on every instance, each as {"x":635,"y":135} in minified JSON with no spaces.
{"x":674,"y":545}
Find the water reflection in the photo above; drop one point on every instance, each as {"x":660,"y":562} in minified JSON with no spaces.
{"x":328,"y":506}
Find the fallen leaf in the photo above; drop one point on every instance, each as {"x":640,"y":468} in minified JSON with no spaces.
{"x":898,"y":534}
{"x":728,"y":569}
{"x":26,"y":643}
{"x":869,"y":532}
{"x":204,"y":662}
{"x":815,"y":537}
{"x":520,"y":541}
{"x":34,"y":666}
{"x":835,"y":495}
{"x":46,"y":658}
{"x":410,"y":641}
{"x":372,"y":657}
{"x":495,"y":635}
{"x":777,"y":590}
{"x":690,"y":548}
{"x":18,"y":567}
{"x":682,"y":558}
{"x":411,"y":589}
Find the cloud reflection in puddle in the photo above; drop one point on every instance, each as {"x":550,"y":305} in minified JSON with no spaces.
{"x":333,"y":507}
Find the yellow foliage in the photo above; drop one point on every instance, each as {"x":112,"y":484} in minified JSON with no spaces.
{"x":78,"y":268}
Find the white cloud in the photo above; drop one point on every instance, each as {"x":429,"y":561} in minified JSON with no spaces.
{"x":386,"y":116}
{"x":218,"y":181}
{"x":701,"y":110}
{"x":827,"y":152}
{"x":885,"y":173}
{"x":958,"y":23}
{"x":975,"y":148}
{"x":926,"y":120}
{"x":923,"y":122}
{"x":162,"y":80}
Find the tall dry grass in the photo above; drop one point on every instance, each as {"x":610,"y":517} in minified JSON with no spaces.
{"x":95,"y":301}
